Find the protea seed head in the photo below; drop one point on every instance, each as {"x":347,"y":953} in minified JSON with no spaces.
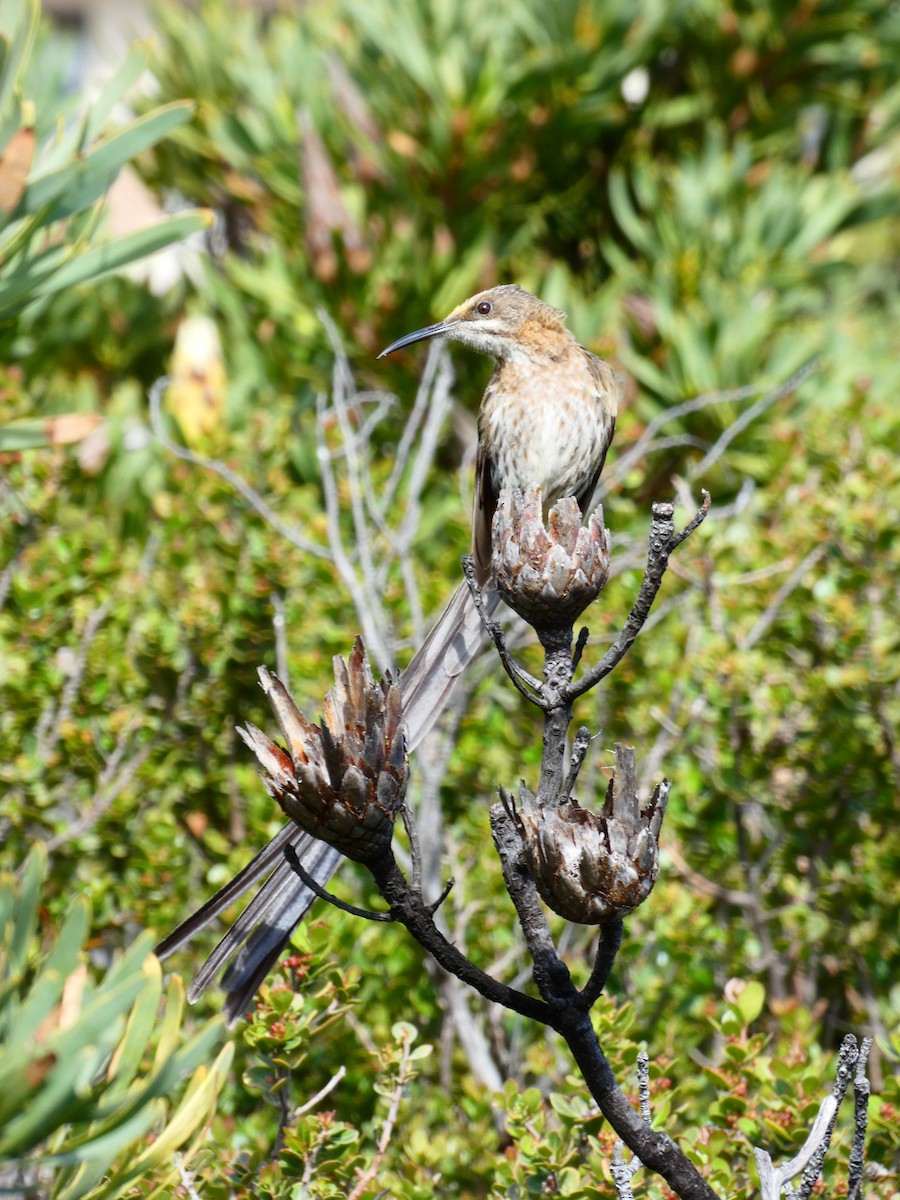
{"x":547,"y":573}
{"x":343,"y":781}
{"x":589,"y":867}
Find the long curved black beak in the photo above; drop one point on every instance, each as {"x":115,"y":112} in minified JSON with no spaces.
{"x":419,"y":336}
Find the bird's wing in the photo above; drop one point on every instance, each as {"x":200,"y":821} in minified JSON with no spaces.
{"x":607,"y":391}
{"x":585,"y":496}
{"x":483,"y":512}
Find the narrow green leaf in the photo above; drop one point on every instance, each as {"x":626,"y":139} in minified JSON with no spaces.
{"x":103,"y":1150}
{"x":112,"y":256}
{"x":104,"y":259}
{"x":167,"y":1040}
{"x":79,"y":183}
{"x":101,"y":1020}
{"x":196,"y":1107}
{"x":113,"y":1109}
{"x":52,"y":1103}
{"x":122,"y":81}
{"x":141,"y":1022}
{"x":27,"y":906}
{"x":66,"y":953}
{"x":637,"y":232}
{"x":18,"y":24}
{"x":19,"y":1043}
{"x":132,"y":960}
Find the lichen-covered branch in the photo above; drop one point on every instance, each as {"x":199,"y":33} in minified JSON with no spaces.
{"x":774,"y":1180}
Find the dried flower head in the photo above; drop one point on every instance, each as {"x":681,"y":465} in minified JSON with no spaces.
{"x":547,"y":574}
{"x":343,"y":781}
{"x":589,"y":867}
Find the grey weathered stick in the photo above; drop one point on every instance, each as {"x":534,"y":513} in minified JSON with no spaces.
{"x":861,"y":1092}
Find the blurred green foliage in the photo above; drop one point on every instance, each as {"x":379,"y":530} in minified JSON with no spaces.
{"x":88,"y":1071}
{"x":711,"y":192}
{"x":55,"y":170}
{"x":442,"y":146}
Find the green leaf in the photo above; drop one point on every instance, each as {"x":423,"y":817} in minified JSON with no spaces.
{"x":18,"y":26}
{"x":19,"y":1038}
{"x":94,"y":1160}
{"x":749,"y":1003}
{"x":78,"y":184}
{"x":121,"y":82}
{"x":52,"y":1102}
{"x":101,"y":260}
{"x":198,"y":1103}
{"x":26,"y":908}
{"x":67,"y":952}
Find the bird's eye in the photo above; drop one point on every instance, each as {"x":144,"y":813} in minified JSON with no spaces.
{"x":484,"y":308}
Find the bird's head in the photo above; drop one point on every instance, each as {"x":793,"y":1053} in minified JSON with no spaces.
{"x":503,"y":322}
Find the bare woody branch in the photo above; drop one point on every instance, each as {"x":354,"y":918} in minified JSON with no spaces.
{"x":622,"y":1171}
{"x":662,"y":541}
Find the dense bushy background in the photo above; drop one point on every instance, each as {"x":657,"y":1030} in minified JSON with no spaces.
{"x":711,"y":193}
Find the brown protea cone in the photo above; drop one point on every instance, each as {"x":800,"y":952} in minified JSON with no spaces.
{"x":547,"y":574}
{"x":343,"y":781}
{"x":589,"y":867}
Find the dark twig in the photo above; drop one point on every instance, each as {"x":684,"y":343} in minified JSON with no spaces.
{"x":432,"y":908}
{"x":662,"y":541}
{"x":519,"y":676}
{"x":654,"y":1149}
{"x":607,"y":949}
{"x":408,"y":910}
{"x":566,"y":1014}
{"x":316,"y":888}
{"x":694,"y":522}
{"x":550,"y":974}
{"x":508,"y":800}
{"x":282,"y":1100}
{"x":579,"y":750}
{"x":583,"y":634}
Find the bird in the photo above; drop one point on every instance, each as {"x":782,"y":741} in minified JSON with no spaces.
{"x":548,"y":416}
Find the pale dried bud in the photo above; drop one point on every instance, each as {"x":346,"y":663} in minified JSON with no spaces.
{"x":343,"y":781}
{"x":547,"y":574}
{"x":589,"y":867}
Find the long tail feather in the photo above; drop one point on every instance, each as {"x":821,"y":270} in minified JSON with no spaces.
{"x":258,"y":868}
{"x":257,"y":938}
{"x":283,"y":905}
{"x":453,"y":642}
